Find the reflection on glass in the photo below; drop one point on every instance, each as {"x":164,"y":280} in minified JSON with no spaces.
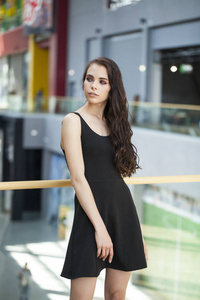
{"x":183,"y":119}
{"x":171,"y":226}
{"x":166,"y":117}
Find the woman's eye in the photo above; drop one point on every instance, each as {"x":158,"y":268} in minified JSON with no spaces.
{"x":89,"y":79}
{"x":102,"y":82}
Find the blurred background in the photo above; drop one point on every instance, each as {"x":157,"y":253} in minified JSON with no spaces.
{"x":44,"y":48}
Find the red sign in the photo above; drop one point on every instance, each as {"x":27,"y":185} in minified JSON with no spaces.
{"x":38,"y":13}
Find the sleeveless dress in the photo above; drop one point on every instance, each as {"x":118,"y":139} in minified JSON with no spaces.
{"x":116,"y":207}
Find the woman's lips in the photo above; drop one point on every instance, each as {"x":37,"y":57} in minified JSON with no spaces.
{"x":93,"y":94}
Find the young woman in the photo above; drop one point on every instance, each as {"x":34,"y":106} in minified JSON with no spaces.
{"x":106,"y":234}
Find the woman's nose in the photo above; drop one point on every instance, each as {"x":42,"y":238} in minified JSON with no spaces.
{"x":94,"y":85}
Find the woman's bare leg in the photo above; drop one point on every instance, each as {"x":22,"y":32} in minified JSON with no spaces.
{"x":115,"y":284}
{"x":82,"y":288}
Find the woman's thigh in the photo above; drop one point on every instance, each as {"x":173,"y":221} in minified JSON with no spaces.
{"x":82,"y":288}
{"x":115,"y":284}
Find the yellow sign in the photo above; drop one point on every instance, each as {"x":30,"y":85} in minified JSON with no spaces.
{"x":8,"y":8}
{"x":2,"y":11}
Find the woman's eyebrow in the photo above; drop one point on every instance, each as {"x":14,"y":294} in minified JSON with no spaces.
{"x":99,"y":77}
{"x":90,"y":75}
{"x":103,"y":78}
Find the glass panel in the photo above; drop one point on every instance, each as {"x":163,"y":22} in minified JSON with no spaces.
{"x":183,"y":119}
{"x":171,"y":228}
{"x":4,"y":82}
{"x":177,"y":118}
{"x":170,"y":220}
{"x":166,"y":117}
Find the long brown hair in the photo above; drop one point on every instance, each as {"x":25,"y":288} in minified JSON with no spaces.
{"x":116,"y":115}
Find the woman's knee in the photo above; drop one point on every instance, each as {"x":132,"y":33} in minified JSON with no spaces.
{"x":116,"y":295}
{"x":80,"y":296}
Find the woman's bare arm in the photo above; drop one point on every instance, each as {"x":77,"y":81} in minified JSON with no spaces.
{"x":71,"y":143}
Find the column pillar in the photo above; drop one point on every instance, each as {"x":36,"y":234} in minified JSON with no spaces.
{"x":58,"y":51}
{"x":38,"y":75}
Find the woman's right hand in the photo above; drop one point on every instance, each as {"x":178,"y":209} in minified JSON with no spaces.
{"x":104,"y":245}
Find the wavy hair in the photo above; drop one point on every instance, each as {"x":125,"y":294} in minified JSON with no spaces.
{"x":116,"y":114}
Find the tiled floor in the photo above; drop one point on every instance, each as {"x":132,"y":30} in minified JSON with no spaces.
{"x":36,"y":242}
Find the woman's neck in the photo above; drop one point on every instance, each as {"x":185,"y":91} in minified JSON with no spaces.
{"x":95,"y":110}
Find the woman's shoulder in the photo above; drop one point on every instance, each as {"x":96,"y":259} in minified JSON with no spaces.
{"x":71,"y":118}
{"x":71,"y":122}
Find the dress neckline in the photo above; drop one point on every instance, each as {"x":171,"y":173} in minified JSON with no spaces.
{"x":103,"y":136}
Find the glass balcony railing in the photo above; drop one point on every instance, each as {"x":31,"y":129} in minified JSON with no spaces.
{"x":176,"y":118}
{"x":183,"y":119}
{"x":170,"y":221}
{"x":171,"y":228}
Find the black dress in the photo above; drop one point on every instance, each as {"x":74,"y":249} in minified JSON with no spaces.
{"x":117,"y":209}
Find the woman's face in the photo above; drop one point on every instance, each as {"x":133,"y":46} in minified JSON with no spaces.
{"x":96,"y":84}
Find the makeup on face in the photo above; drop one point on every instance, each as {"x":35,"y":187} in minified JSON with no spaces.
{"x":96,"y":83}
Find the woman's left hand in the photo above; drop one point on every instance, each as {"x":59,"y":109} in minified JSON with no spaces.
{"x":145,"y":249}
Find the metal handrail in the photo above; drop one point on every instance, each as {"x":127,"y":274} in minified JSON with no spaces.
{"x":165,"y":105}
{"x":146,"y":104}
{"x":42,"y":184}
